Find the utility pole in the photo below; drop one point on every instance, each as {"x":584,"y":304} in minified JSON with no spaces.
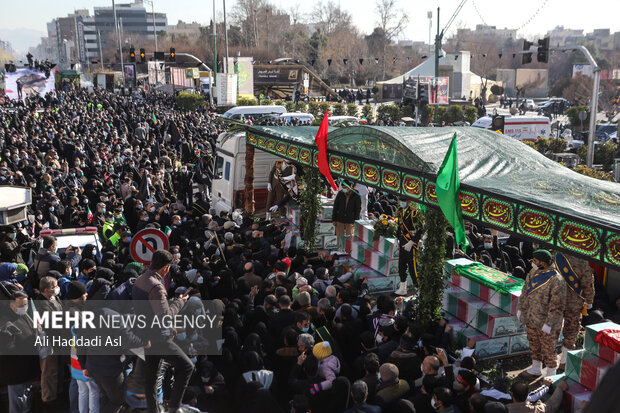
{"x":153,"y":16}
{"x":225,"y":38}
{"x":214,"y":47}
{"x":100,"y":48}
{"x":429,"y":14}
{"x":437,"y":50}
{"x":120,"y":47}
{"x":155,"y":37}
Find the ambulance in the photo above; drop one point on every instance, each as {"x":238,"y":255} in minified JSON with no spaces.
{"x":523,"y":128}
{"x":228,"y":186}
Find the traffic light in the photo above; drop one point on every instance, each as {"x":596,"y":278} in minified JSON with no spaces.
{"x":543,"y":50}
{"x":527,"y":57}
{"x":142,"y":56}
{"x":497,"y":123}
{"x":423,"y":92}
{"x":172,"y":54}
{"x":132,"y":54}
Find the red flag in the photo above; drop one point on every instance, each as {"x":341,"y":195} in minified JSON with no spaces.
{"x":321,"y":143}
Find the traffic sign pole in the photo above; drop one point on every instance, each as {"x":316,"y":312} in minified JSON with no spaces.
{"x":145,"y":243}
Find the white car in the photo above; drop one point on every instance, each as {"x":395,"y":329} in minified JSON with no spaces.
{"x":297,"y":116}
{"x":76,"y":237}
{"x":530,"y":105}
{"x":333,"y":120}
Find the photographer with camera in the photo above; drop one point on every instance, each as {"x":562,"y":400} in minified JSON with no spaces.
{"x":17,"y":372}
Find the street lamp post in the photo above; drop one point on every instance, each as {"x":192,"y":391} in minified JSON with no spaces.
{"x":120,"y":47}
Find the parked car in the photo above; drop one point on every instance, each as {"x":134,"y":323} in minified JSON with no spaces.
{"x":605,"y":130}
{"x":530,"y":105}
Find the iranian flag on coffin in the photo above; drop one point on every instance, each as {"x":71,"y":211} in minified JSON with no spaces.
{"x":507,"y":302}
{"x":365,"y":254}
{"x":365,"y":232}
{"x":574,"y":396}
{"x":292,"y":214}
{"x":481,"y":315}
{"x":586,"y":368}
{"x":595,"y":348}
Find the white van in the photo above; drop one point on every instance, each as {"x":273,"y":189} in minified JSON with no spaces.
{"x":523,"y":128}
{"x":253,"y":112}
{"x":227,"y":194}
{"x":333,"y":120}
{"x":299,"y":117}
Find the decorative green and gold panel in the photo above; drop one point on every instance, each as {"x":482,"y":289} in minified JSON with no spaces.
{"x":281,"y":148}
{"x":293,"y":152}
{"x":497,"y":212}
{"x":305,"y":156}
{"x":353,"y":169}
{"x":536,"y":224}
{"x":412,"y":186}
{"x":431,"y":193}
{"x":336,"y":164}
{"x":470,"y":204}
{"x":613,"y":249}
{"x":271,"y":145}
{"x":580,"y":238}
{"x":390,"y":180}
{"x":371,"y":174}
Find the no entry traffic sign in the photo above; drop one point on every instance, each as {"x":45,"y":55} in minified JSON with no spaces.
{"x":145,"y":243}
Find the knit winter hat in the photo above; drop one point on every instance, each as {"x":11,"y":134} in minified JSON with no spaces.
{"x":322,"y":350}
{"x":191,"y":275}
{"x":75,"y":290}
{"x":542,"y":255}
{"x":136,"y":266}
{"x":22,"y":269}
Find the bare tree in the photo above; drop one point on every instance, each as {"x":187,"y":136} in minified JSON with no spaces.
{"x":392,"y":21}
{"x":579,"y":91}
{"x":330,"y":17}
{"x":245,"y":14}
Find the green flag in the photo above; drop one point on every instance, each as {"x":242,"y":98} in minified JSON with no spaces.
{"x":448,"y":188}
{"x":154,"y":118}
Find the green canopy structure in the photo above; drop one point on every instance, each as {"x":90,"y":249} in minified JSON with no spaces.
{"x":504,"y":183}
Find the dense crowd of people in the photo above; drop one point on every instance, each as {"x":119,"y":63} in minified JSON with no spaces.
{"x":300,"y":333}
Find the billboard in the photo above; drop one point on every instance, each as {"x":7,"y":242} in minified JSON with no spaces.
{"x":226,"y":89}
{"x":129,"y":71}
{"x":439,"y":91}
{"x":534,"y":82}
{"x":177,"y":77}
{"x":32,"y":81}
{"x":392,"y":91}
{"x":157,"y":73}
{"x":275,"y":75}
{"x":583,"y":70}
{"x":244,"y":69}
{"x":192,"y":73}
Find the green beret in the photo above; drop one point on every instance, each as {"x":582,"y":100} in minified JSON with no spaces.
{"x":543,"y":255}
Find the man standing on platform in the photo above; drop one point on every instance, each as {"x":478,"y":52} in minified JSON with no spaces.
{"x":410,"y":226}
{"x":347,"y":207}
{"x":541,"y":307}
{"x":579,"y":296}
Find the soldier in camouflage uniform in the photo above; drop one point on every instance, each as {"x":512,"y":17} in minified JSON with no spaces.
{"x":541,"y":307}
{"x":579,"y":296}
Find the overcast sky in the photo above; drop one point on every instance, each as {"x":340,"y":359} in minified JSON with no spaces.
{"x":576,"y":14}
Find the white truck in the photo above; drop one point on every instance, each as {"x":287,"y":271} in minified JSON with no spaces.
{"x":523,"y":128}
{"x":228,"y":186}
